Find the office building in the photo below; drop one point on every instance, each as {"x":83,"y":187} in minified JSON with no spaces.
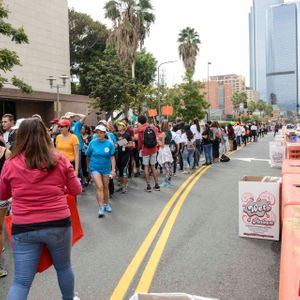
{"x":252,"y":95}
{"x":219,"y":97}
{"x":257,"y":44}
{"x":283,"y":56}
{"x":237,"y":81}
{"x":47,"y":54}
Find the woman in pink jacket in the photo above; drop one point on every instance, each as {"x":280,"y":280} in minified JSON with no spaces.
{"x":37,"y":177}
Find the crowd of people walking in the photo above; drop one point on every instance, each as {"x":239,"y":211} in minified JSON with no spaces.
{"x":68,"y":155}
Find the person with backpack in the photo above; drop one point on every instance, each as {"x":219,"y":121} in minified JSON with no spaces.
{"x":148,"y":146}
{"x":165,"y":157}
{"x":207,"y":138}
{"x":188,"y":149}
{"x":216,"y":130}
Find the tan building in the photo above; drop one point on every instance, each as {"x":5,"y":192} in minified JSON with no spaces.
{"x":252,"y":95}
{"x":237,"y":81}
{"x":219,"y":97}
{"x":47,"y":54}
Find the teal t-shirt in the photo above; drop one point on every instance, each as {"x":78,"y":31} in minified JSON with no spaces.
{"x":100,"y":154}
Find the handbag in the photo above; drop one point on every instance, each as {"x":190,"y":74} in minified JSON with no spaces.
{"x":77,"y":233}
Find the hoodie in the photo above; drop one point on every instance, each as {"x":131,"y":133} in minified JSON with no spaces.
{"x":38,"y":196}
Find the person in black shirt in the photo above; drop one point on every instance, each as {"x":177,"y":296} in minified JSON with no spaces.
{"x":124,"y":142}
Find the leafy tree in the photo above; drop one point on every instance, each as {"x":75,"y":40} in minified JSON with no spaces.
{"x":269,"y":109}
{"x":260,"y":105}
{"x":8,"y":58}
{"x":188,"y":48}
{"x":145,"y":68}
{"x":189,"y":103}
{"x":237,"y":99}
{"x":87,"y":43}
{"x":131,"y":23}
{"x":251,"y":106}
{"x":109,"y":83}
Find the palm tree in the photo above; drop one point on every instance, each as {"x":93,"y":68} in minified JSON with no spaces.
{"x":131,"y":23}
{"x":188,"y":47}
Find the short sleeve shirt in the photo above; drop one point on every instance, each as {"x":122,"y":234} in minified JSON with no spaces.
{"x":76,"y":128}
{"x":100,"y":153}
{"x":66,"y":147}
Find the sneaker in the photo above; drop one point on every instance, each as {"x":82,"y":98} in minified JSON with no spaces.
{"x":148,"y":188}
{"x":101,"y":212}
{"x":164,"y":184}
{"x":107,"y":208}
{"x":156,"y":187}
{"x":123,"y":190}
{"x":3,"y":272}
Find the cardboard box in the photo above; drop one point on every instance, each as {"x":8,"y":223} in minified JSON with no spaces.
{"x":167,"y":296}
{"x":259,"y":204}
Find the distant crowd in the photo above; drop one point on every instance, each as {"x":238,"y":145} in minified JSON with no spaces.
{"x":39,"y":164}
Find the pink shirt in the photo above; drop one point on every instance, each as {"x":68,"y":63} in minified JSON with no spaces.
{"x":38,"y":196}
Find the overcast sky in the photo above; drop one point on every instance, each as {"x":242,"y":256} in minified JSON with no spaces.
{"x":222,"y":27}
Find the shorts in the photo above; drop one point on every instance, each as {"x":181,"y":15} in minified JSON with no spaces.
{"x":4,"y":204}
{"x":150,"y":159}
{"x":94,"y":173}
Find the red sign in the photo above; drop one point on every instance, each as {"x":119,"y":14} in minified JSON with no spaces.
{"x":152,"y":112}
{"x":167,"y":110}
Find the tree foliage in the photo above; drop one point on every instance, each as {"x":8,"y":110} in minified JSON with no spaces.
{"x":8,"y":58}
{"x":188,"y":48}
{"x":131,"y":23}
{"x":146,"y":66}
{"x":109,"y":83}
{"x":87,"y":43}
{"x":251,"y":106}
{"x":237,"y":99}
{"x":260,"y":105}
{"x":189,"y":102}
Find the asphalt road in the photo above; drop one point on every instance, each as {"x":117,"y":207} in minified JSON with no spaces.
{"x":203,"y":253}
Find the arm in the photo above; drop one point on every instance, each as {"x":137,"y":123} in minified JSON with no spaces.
{"x":5,"y":187}
{"x":73,"y":184}
{"x":162,"y":139}
{"x":82,"y":118}
{"x":113,"y":166}
{"x":76,"y":151}
{"x":7,"y":154}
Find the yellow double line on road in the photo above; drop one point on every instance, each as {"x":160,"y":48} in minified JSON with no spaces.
{"x":148,"y":274}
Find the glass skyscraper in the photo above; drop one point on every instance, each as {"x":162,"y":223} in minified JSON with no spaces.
{"x":257,"y":39}
{"x":283,"y":56}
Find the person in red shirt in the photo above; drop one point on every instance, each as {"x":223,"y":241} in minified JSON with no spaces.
{"x":147,"y":142}
{"x":38,"y":177}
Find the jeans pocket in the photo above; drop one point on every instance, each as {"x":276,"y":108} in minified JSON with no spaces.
{"x":21,"y":237}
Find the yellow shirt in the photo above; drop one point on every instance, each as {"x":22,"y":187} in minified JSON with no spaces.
{"x":66,"y":146}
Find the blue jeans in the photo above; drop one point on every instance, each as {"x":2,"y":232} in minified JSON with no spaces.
{"x":188,"y":158}
{"x":27,"y":249}
{"x":208,"y":153}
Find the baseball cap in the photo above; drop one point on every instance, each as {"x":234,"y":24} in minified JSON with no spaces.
{"x":18,"y":123}
{"x":104,"y":122}
{"x":64,"y":122}
{"x":101,"y":128}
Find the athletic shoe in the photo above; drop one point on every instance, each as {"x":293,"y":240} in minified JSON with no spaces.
{"x":148,"y":188}
{"x":164,"y":184}
{"x":107,"y":208}
{"x":101,"y":212}
{"x":156,"y":187}
{"x":3,"y":272}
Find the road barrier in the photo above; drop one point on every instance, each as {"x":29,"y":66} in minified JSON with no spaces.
{"x":289,"y":283}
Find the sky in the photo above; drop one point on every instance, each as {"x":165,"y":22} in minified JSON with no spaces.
{"x":222,"y":27}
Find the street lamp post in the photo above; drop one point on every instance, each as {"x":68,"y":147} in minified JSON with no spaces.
{"x":158,"y":83}
{"x":51,"y":79}
{"x":208,"y":96}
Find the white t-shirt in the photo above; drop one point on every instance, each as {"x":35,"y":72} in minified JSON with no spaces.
{"x":178,"y":137}
{"x":184,"y":139}
{"x":254,"y":127}
{"x":197,"y":134}
{"x":5,"y":136}
{"x":238,"y":130}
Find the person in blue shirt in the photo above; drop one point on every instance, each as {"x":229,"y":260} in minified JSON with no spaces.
{"x":102,"y":165}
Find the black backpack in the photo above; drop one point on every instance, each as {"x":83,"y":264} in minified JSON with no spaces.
{"x":149,"y":138}
{"x":173,"y":147}
{"x":224,"y":158}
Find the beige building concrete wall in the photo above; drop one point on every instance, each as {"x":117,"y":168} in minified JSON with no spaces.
{"x":46,"y":24}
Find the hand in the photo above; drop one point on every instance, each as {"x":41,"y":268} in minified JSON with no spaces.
{"x":113,"y":173}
